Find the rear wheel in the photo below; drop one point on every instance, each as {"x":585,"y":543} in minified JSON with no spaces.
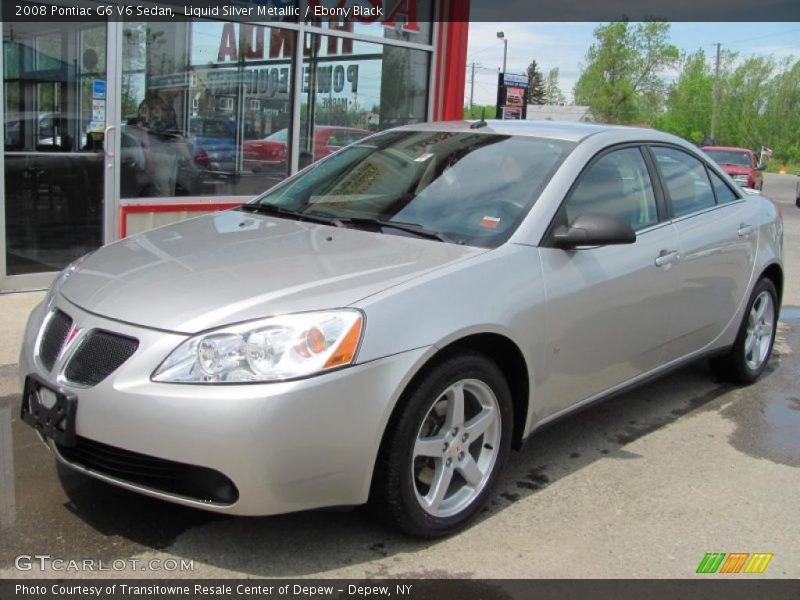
{"x":750,"y":353}
{"x":440,"y":460}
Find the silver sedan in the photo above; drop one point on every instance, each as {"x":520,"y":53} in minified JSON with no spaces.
{"x":386,"y":325}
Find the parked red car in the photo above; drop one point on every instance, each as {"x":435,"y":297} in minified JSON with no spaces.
{"x":740,"y":163}
{"x":274,"y":149}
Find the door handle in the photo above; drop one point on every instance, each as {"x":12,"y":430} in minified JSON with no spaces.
{"x":107,"y":146}
{"x":667,"y":257}
{"x":745,"y":229}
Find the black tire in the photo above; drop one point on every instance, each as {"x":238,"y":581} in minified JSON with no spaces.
{"x":733,"y":366}
{"x":393,"y":496}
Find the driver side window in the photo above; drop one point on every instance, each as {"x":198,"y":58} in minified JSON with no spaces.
{"x":617,"y":184}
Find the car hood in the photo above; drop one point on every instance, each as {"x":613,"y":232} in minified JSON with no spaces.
{"x":234,"y":266}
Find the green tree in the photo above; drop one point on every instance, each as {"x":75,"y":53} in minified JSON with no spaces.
{"x":552,"y":91}
{"x":689,"y":100}
{"x":621,"y":81}
{"x":745,"y":92}
{"x":535,"y":84}
{"x":759,"y":103}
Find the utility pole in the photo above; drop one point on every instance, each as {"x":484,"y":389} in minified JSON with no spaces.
{"x":472,"y":88}
{"x":715,"y":101}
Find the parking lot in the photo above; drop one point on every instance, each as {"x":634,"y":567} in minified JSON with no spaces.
{"x":643,"y":485}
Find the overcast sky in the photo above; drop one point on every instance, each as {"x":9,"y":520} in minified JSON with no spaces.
{"x":564,"y":45}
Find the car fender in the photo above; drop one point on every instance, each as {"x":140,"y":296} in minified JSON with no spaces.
{"x":500,"y":292}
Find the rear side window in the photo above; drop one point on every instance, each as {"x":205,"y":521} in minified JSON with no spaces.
{"x":617,"y":184}
{"x":686,"y":180}
{"x":721,"y":189}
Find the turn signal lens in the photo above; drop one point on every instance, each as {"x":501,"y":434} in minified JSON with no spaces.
{"x":346,"y":350}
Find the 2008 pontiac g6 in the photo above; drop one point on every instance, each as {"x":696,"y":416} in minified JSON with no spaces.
{"x":385,"y":325}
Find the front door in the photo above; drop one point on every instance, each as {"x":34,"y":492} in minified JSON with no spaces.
{"x":55,"y":107}
{"x":608,"y":308}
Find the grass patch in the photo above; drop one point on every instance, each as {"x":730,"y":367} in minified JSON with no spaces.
{"x":774,"y":166}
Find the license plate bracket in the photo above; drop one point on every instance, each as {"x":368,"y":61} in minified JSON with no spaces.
{"x":56,"y":421}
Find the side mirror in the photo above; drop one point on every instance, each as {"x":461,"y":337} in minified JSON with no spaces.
{"x":762,"y":166}
{"x":594,"y":229}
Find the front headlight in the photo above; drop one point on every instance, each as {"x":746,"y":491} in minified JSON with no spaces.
{"x":740,"y":178}
{"x":273,"y":349}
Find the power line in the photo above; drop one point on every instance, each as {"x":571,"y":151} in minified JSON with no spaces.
{"x":759,"y":37}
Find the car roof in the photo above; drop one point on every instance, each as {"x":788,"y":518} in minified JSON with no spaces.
{"x":734,"y":148}
{"x":557,"y":130}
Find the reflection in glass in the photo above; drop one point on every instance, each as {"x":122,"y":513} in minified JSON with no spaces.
{"x":55,"y":98}
{"x":353,"y":88}
{"x":466,"y":188}
{"x":195,"y":96}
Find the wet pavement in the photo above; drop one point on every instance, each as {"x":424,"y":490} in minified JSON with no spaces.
{"x":682,"y":466}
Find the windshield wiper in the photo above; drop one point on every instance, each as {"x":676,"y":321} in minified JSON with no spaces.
{"x":278,"y":211}
{"x":413,"y":228}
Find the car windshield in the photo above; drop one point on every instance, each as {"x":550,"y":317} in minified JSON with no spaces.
{"x":730,"y":157}
{"x":470,"y":188}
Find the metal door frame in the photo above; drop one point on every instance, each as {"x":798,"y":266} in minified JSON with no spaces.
{"x":39,"y":281}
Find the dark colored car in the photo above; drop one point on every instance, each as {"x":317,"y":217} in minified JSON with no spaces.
{"x":274,"y":149}
{"x":740,"y":163}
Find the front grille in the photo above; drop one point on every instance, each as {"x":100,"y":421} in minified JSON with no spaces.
{"x":180,"y":479}
{"x":100,"y":354}
{"x":53,"y":338}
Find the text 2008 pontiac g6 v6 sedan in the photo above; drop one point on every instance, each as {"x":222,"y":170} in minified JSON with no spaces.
{"x":384,"y":326}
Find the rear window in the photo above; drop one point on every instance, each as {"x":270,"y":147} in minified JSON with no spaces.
{"x":686,"y":179}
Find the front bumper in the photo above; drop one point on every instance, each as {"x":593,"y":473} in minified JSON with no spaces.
{"x":286,"y":446}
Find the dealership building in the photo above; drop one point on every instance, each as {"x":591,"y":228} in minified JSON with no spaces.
{"x":114,"y":127}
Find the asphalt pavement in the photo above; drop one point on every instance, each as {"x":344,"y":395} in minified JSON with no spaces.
{"x":643,"y":485}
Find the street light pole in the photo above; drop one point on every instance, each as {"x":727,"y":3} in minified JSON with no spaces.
{"x":502,"y":36}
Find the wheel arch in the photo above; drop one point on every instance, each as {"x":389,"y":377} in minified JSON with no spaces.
{"x":499,"y":348}
{"x":774,"y":273}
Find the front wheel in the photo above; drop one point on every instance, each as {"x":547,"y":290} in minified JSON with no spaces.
{"x":750,"y":353}
{"x":441,"y":456}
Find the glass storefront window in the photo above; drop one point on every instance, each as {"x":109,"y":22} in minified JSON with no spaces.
{"x":55,"y":116}
{"x":207,"y":105}
{"x":200,"y":102}
{"x":353,"y":88}
{"x":207,"y":113}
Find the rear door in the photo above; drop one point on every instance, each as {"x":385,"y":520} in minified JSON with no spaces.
{"x":608,"y":308}
{"x":718,"y":241}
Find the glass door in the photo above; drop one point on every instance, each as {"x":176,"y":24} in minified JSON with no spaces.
{"x":55,"y":161}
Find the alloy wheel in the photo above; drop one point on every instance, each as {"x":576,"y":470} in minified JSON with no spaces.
{"x":760,"y":326}
{"x":456,"y":448}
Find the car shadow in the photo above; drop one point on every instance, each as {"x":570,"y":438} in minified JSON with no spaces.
{"x":317,"y":542}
